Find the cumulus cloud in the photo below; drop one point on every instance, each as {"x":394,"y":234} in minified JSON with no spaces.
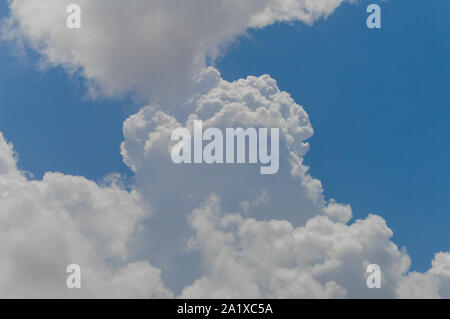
{"x":60,"y":220}
{"x":257,"y":236}
{"x":253,"y":102}
{"x":283,"y":239}
{"x":174,"y":190}
{"x":156,"y":48}
{"x":435,"y":283}
{"x":216,"y":230}
{"x":7,"y":158}
{"x":247,"y":258}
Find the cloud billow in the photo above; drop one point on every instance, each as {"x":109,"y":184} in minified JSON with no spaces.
{"x":154,"y":48}
{"x":190,"y":231}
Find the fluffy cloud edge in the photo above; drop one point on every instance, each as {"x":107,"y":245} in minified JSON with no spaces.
{"x":60,"y":220}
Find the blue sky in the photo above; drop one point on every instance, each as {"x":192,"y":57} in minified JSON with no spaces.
{"x":51,"y":123}
{"x":378,"y":100}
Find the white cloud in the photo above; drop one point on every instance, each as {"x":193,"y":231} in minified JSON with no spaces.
{"x":435,"y":283}
{"x":252,"y":102}
{"x":306,"y":11}
{"x":174,"y":190}
{"x":7,"y":158}
{"x":247,"y":258}
{"x":60,"y":220}
{"x":291,"y":242}
{"x":154,"y":47}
